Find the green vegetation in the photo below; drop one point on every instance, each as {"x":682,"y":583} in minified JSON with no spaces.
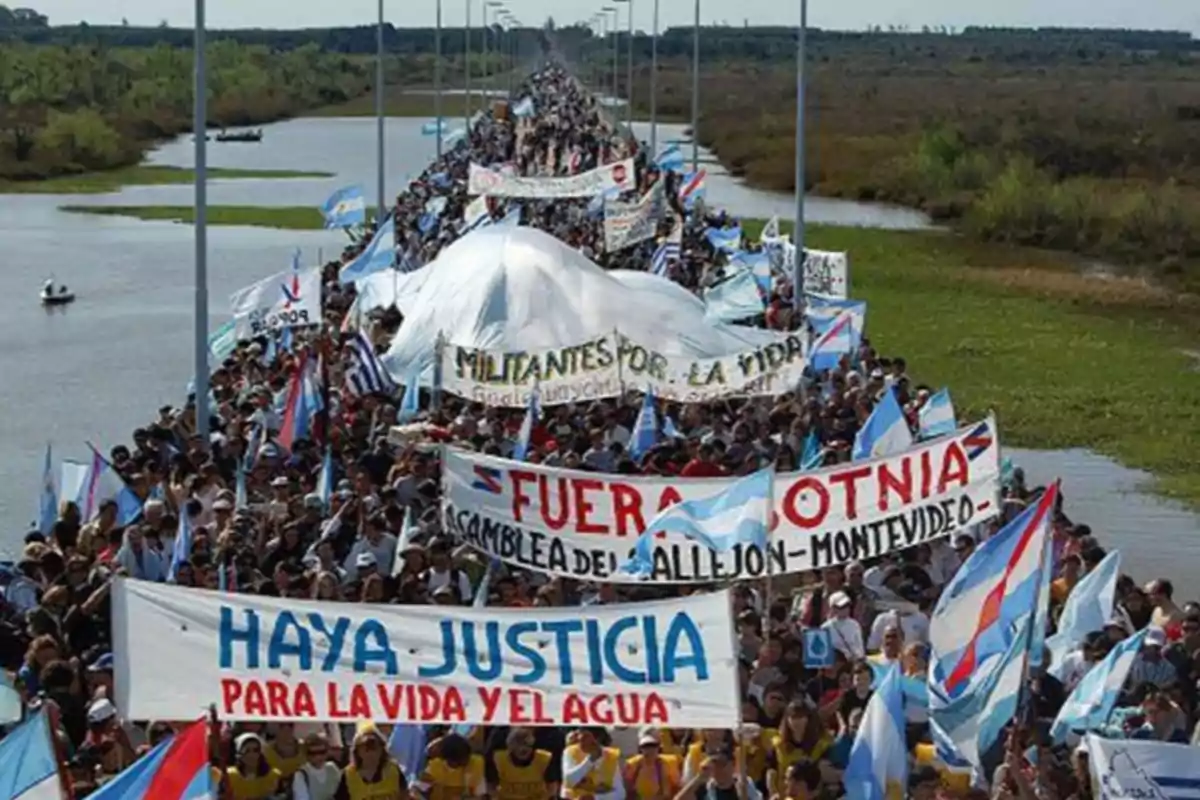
{"x":1082,"y":141}
{"x":144,"y":175}
{"x":1064,"y":360}
{"x":296,"y":218}
{"x":400,"y":102}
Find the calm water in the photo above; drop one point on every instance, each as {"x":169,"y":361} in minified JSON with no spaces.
{"x":103,"y":366}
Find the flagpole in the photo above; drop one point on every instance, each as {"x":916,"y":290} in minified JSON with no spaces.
{"x":798,"y":233}
{"x":199,"y":137}
{"x":696,"y":88}
{"x":467,"y":69}
{"x":437,"y":78}
{"x":381,"y":191}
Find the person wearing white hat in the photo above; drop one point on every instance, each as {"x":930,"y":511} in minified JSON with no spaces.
{"x":844,"y":629}
{"x":1150,"y":666}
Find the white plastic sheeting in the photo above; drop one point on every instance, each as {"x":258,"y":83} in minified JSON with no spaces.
{"x":515,"y":289}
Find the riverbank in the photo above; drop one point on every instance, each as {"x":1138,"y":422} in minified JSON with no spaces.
{"x":1065,"y":360}
{"x":143,"y":175}
{"x":415,"y":102}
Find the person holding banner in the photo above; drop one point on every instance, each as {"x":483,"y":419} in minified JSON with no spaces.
{"x":591,"y":770}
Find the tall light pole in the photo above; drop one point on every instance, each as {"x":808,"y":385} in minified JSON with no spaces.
{"x":381,"y":190}
{"x":200,"y":136}
{"x":613,"y":10}
{"x":629,"y":71}
{"x":798,"y":233}
{"x":487,"y":67}
{"x":696,"y":88}
{"x":437,"y":77}
{"x":467,"y":68}
{"x":654,"y":85}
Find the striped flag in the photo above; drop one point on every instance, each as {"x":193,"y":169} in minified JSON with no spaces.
{"x":366,"y":373}
{"x":693,"y":187}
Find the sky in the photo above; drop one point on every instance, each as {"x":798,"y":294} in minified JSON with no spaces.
{"x":853,"y":15}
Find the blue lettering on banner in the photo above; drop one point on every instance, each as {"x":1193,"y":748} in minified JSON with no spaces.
{"x":528,"y":650}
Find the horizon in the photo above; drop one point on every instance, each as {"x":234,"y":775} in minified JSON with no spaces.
{"x":1152,"y":15}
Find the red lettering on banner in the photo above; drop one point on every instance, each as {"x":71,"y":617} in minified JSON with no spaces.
{"x":889,"y":482}
{"x":955,"y":467}
{"x":554,"y":523}
{"x":583,"y":506}
{"x":520,"y":500}
{"x":360,"y":704}
{"x":231,"y":693}
{"x":277,"y":699}
{"x":453,"y":708}
{"x":617,"y":709}
{"x":627,"y":509}
{"x":670,"y":496}
{"x":791,"y":508}
{"x":491,"y":702}
{"x":390,"y":697}
{"x":256,"y":700}
{"x":303,"y":704}
{"x":849,"y":479}
{"x":518,"y":714}
{"x":926,"y":474}
{"x":334,"y":701}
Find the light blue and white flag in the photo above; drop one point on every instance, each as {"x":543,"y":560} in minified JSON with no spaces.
{"x":1088,"y":608}
{"x":936,"y":416}
{"x":1093,"y":699}
{"x":407,"y":744}
{"x":48,"y":497}
{"x":645,"y":428}
{"x":532,"y":410}
{"x":325,"y":478}
{"x":813,"y":455}
{"x":408,"y":530}
{"x":725,"y":240}
{"x":182,"y":549}
{"x":840,"y":337}
{"x":878,"y":765}
{"x":670,"y":159}
{"x":734,"y":298}
{"x":885,"y":433}
{"x":485,"y":584}
{"x":11,"y":707}
{"x":735,"y":516}
{"x":669,"y":429}
{"x":345,"y":208}
{"x":379,"y":255}
{"x":1041,"y":610}
{"x":28,"y":763}
{"x":431,"y":128}
{"x":410,"y":403}
{"x":820,"y":310}
{"x":103,"y":482}
{"x":759,"y":265}
{"x":914,"y":687}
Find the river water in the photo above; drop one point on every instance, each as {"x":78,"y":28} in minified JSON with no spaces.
{"x":100,"y":368}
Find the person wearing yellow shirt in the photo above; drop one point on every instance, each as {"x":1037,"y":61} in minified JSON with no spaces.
{"x":651,"y":775}
{"x":251,"y":777}
{"x":591,"y":771}
{"x":674,"y":741}
{"x":453,"y":771}
{"x":371,"y":773}
{"x":284,"y":753}
{"x":520,"y":771}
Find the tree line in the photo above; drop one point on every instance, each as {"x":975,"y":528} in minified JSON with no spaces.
{"x":70,"y":109}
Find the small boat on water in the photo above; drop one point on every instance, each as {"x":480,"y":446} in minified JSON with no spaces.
{"x":62,"y":297}
{"x":240,"y":136}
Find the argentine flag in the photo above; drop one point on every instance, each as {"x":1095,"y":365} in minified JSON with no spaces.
{"x":28,"y":765}
{"x":345,"y":208}
{"x":645,"y":428}
{"x":670,"y":159}
{"x":937,"y":416}
{"x":379,"y":255}
{"x":1093,"y":699}
{"x":1088,"y":608}
{"x":736,"y":515}
{"x":878,"y":764}
{"x":885,"y":432}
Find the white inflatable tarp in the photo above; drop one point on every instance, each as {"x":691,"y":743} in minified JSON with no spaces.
{"x":515,"y":289}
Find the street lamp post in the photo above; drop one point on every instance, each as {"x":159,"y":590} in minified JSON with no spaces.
{"x":200,"y":134}
{"x":696,"y":88}
{"x":654,"y":85}
{"x":798,"y":233}
{"x":467,"y":67}
{"x":380,"y":189}
{"x":629,"y":71}
{"x":613,"y":10}
{"x":437,"y":77}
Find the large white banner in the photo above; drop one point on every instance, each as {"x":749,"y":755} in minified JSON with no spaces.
{"x":583,"y":524}
{"x":627,"y":224}
{"x":620,"y":175}
{"x":825,"y":272}
{"x":607,"y":365}
{"x":664,"y":663}
{"x":1129,"y":769}
{"x":284,"y":300}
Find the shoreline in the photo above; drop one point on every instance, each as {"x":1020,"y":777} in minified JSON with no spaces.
{"x":144,"y":175}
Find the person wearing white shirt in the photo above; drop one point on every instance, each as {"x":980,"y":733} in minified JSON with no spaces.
{"x":844,"y":629}
{"x":586,"y":761}
{"x":913,"y":624}
{"x":318,"y":777}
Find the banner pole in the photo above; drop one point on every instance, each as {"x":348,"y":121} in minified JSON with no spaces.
{"x":439,"y":350}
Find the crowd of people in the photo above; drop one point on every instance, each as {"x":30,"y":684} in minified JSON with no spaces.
{"x":798,"y":721}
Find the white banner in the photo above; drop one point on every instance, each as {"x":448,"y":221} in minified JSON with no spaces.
{"x":284,"y":300}
{"x":583,"y":524}
{"x":1129,"y":769}
{"x":620,"y":175}
{"x":627,"y":224}
{"x":825,"y":272}
{"x":664,"y":663}
{"x":607,"y":365}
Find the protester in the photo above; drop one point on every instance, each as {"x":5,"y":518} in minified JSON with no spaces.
{"x":243,"y":513}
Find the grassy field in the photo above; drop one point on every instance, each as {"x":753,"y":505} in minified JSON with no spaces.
{"x":1064,"y":360}
{"x":296,"y":218}
{"x":407,"y":102}
{"x":143,"y":175}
